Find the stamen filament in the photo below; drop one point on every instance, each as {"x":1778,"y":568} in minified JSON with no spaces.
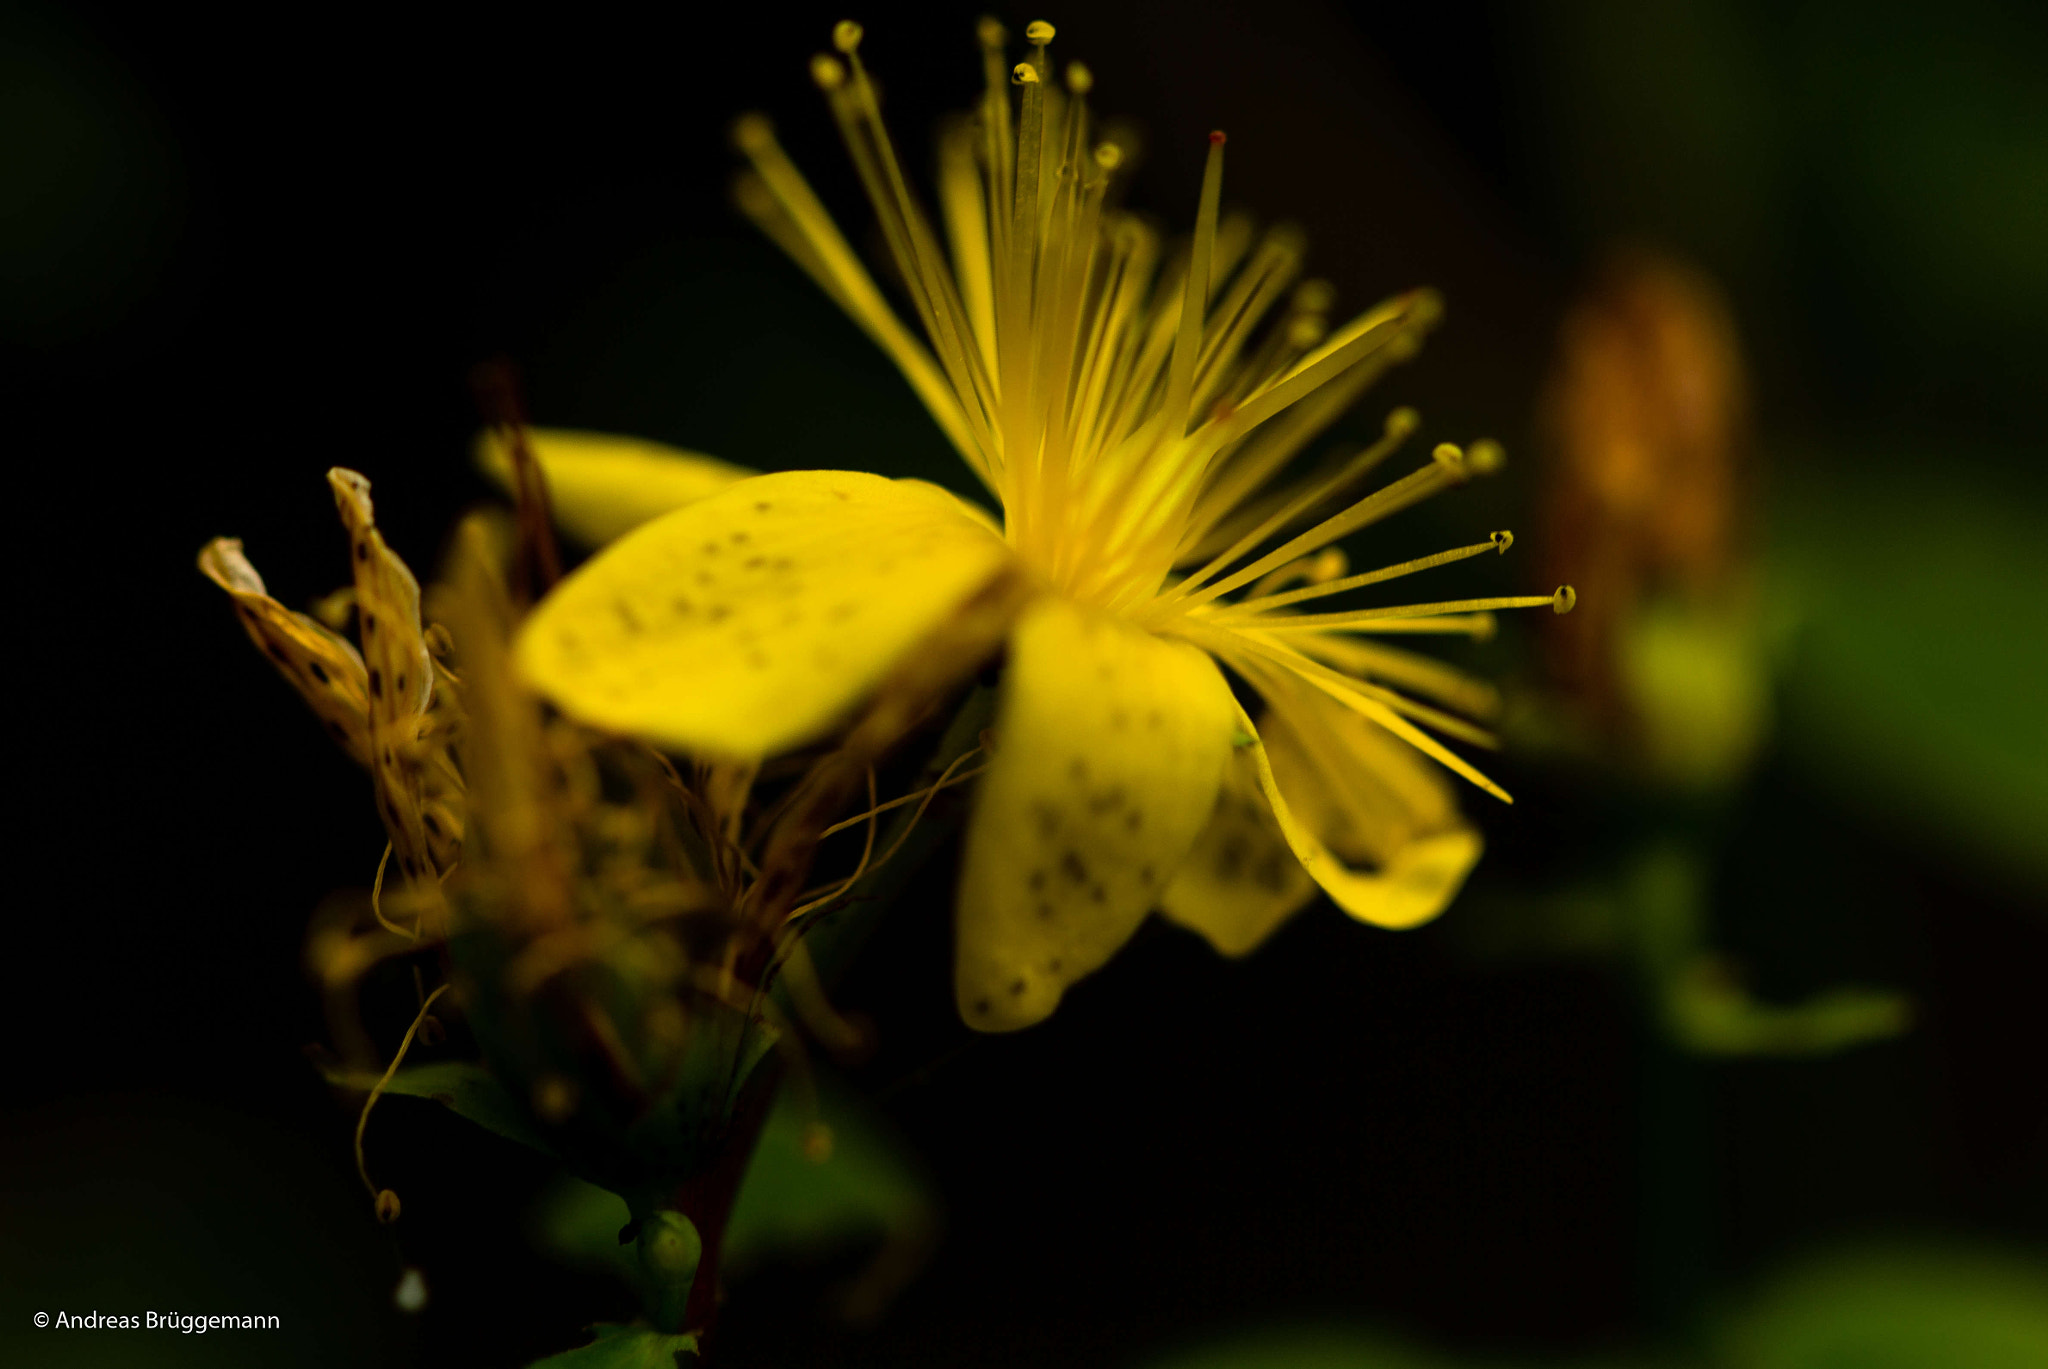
{"x":1399,"y":425}
{"x":1359,"y":581}
{"x":1336,"y":621}
{"x":1187,"y":340}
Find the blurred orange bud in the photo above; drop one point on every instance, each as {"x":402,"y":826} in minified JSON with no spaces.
{"x":1646,"y":421}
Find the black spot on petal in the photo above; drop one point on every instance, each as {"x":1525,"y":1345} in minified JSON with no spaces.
{"x":1047,"y":819}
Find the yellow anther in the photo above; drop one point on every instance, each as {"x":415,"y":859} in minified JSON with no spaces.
{"x":1038,"y":33}
{"x":1485,"y":457}
{"x":1024,"y":74}
{"x":1080,"y":80}
{"x":1109,"y":156}
{"x":846,"y":35}
{"x":387,"y":1207}
{"x":1306,"y":331}
{"x":1315,"y":296}
{"x":991,"y":32}
{"x":1403,"y":421}
{"x":753,"y":132}
{"x":1502,"y":540}
{"x":828,"y":72}
{"x":1564,"y":599}
{"x":1449,"y":455}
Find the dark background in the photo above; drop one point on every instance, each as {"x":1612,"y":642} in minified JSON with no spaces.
{"x":239,"y":251}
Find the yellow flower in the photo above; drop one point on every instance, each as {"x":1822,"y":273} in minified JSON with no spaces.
{"x":1131,"y":410}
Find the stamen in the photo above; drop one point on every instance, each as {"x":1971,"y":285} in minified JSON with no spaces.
{"x":1480,"y":627}
{"x":385,"y":1199}
{"x":946,"y":777}
{"x":783,"y":204}
{"x":1331,"y":679}
{"x":1400,"y":423}
{"x":1259,"y":668}
{"x":1561,"y":601}
{"x":911,"y":797}
{"x":1405,"y":670}
{"x":1325,"y":566}
{"x":1181,"y":379}
{"x":1253,"y":606}
{"x":377,"y":899}
{"x":910,"y":239}
{"x":1382,"y":503}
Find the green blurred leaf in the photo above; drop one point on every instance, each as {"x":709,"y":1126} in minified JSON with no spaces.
{"x":863,"y":1188}
{"x":1914,"y":682}
{"x":624,"y":1347}
{"x":1924,"y":1309}
{"x":466,"y":1089}
{"x":1335,"y":1348}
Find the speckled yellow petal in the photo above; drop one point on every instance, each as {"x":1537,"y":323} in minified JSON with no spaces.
{"x":752,"y":621}
{"x":1371,"y":821}
{"x":1110,"y":744}
{"x":402,"y":684}
{"x":601,"y":486}
{"x":1241,"y":880}
{"x":319,"y":664}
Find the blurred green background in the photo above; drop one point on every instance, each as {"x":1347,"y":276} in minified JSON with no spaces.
{"x":234,"y":253}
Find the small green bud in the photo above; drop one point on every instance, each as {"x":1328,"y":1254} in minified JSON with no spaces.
{"x":669,"y":1251}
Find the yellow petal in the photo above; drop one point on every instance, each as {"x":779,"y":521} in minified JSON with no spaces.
{"x":319,"y":664}
{"x":752,"y":621}
{"x":402,"y":688}
{"x":601,"y":486}
{"x":1240,"y":881}
{"x":1347,"y":794}
{"x":1110,"y":744}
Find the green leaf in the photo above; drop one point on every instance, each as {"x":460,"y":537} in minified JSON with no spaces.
{"x":863,"y":1187}
{"x":466,"y":1089}
{"x":624,"y":1347}
{"x":1899,"y":1309}
{"x":1912,"y":685}
{"x":1336,"y":1348}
